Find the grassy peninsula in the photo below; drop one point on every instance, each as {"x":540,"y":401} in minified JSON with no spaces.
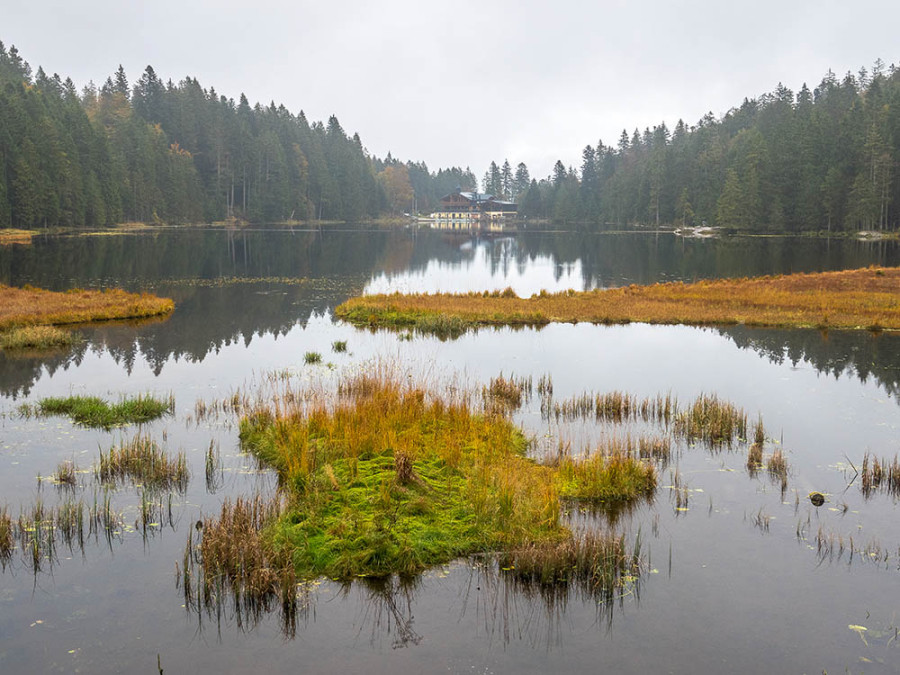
{"x":29,"y":306}
{"x":867,"y":299}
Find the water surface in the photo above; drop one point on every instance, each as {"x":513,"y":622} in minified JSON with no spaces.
{"x":720,"y":592}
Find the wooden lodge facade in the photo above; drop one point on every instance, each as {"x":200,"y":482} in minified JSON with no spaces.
{"x":463,"y":210}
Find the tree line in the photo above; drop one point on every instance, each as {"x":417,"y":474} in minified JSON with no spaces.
{"x":821,"y":159}
{"x":179,"y":153}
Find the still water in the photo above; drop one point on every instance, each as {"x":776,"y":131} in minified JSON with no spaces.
{"x":737,"y":582}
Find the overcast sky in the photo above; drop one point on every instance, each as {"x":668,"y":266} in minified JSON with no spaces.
{"x":462,"y":83}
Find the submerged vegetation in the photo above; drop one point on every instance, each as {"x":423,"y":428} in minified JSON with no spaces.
{"x":34,"y":306}
{"x":92,"y":411}
{"x":851,"y":299}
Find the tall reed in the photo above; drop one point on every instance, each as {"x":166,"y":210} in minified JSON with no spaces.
{"x":141,"y":460}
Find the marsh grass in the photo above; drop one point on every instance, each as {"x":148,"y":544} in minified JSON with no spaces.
{"x":40,"y":530}
{"x":606,"y":477}
{"x":852,"y":299}
{"x":712,"y":421}
{"x":234,"y":562}
{"x":155,"y":511}
{"x":754,"y":459}
{"x":657,"y":448}
{"x":759,"y":432}
{"x":680,"y":492}
{"x":37,"y":338}
{"x":777,"y":466}
{"x":66,"y":474}
{"x":831,"y":546}
{"x":214,"y":468}
{"x":596,"y":563}
{"x":142,"y":461}
{"x":707,"y":419}
{"x":7,"y":539}
{"x":507,"y":393}
{"x":761,"y":520}
{"x":34,"y":306}
{"x":339,"y":346}
{"x":312,"y":358}
{"x":880,"y":474}
{"x":92,"y":411}
{"x":617,"y":407}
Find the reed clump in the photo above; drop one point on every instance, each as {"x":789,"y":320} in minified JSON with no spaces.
{"x":777,"y":465}
{"x":880,"y":474}
{"x":213,"y":467}
{"x":36,"y":338}
{"x":7,"y":540}
{"x":833,"y":546}
{"x":616,"y":407}
{"x":606,"y":477}
{"x":141,"y":460}
{"x":712,"y":421}
{"x":507,"y":392}
{"x":235,"y":560}
{"x":754,"y":459}
{"x":66,"y":474}
{"x":680,"y":492}
{"x":93,"y":411}
{"x":34,"y":306}
{"x":849,"y":299}
{"x":597,"y":563}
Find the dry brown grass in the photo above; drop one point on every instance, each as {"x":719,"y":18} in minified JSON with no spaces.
{"x":34,"y":306}
{"x":852,"y":299}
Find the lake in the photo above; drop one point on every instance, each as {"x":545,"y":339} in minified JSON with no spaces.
{"x":743,"y":577}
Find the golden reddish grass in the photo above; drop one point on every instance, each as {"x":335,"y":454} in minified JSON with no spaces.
{"x":853,"y":299}
{"x":34,"y":306}
{"x":12,"y":236}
